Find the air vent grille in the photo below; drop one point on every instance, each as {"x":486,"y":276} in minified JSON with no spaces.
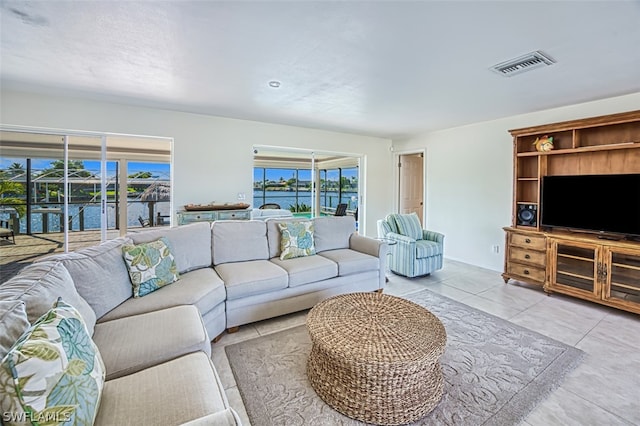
{"x":523,"y":63}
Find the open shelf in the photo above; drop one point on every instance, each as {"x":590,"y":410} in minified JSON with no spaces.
{"x":625,"y":145}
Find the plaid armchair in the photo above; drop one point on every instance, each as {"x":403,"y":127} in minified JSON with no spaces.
{"x":417,"y":251}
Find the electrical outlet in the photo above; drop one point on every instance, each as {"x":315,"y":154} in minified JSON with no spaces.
{"x":241,"y":196}
{"x":495,"y":249}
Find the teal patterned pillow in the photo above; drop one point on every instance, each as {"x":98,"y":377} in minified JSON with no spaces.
{"x":151,"y":266}
{"x":296,"y":239}
{"x":409,"y":225}
{"x":54,"y":373}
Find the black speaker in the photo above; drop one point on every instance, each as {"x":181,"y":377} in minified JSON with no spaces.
{"x":526,"y":214}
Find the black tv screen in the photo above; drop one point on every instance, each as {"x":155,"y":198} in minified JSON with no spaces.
{"x":597,"y":203}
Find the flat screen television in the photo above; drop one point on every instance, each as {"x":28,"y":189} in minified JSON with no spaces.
{"x":605,"y":204}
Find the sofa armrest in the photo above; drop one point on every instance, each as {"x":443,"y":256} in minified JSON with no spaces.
{"x":432,"y":236}
{"x":367,"y":245}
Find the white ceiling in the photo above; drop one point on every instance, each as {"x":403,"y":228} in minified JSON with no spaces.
{"x":382,"y":68}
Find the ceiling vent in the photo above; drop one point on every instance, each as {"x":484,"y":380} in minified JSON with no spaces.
{"x":522,"y":63}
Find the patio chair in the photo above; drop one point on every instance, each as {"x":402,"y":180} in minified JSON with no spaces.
{"x":270,"y":206}
{"x":341,"y":210}
{"x":6,"y":232}
{"x":144,"y":222}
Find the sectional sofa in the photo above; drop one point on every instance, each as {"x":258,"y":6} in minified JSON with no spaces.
{"x":156,"y":349}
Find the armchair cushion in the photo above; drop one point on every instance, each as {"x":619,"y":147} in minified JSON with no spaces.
{"x":408,"y":224}
{"x":426,"y":248}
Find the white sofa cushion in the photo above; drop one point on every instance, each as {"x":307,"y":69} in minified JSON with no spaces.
{"x":351,"y":261}
{"x":252,"y":277}
{"x":13,"y":323}
{"x":333,"y":232}
{"x":170,"y":393}
{"x":100,"y":274}
{"x":202,"y":288}
{"x":190,"y":244}
{"x":239,"y":241}
{"x":309,"y":269}
{"x":39,"y":285}
{"x":131,"y":344}
{"x":226,"y":417}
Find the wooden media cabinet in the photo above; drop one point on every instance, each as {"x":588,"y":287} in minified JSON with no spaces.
{"x":573,"y":263}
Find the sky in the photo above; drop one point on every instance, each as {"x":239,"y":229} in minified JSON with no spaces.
{"x":160,"y":169}
{"x":304,"y":175}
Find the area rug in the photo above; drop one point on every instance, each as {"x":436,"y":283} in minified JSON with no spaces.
{"x":495,"y":372}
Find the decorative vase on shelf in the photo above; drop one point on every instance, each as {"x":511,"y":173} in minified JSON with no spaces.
{"x":544,"y":144}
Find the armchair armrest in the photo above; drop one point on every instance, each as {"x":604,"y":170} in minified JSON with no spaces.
{"x":400,"y":238}
{"x":432,"y":236}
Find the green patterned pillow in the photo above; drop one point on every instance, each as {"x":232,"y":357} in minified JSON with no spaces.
{"x":54,"y":373}
{"x":296,"y":239}
{"x":151,"y":266}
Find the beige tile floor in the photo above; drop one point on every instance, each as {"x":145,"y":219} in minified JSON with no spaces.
{"x":603,"y":390}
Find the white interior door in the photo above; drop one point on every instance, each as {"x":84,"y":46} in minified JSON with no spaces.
{"x":411,"y":184}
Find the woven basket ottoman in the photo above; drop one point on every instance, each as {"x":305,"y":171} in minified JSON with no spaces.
{"x":375,"y":357}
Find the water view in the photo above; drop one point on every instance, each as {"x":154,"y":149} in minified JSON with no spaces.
{"x":289,"y":200}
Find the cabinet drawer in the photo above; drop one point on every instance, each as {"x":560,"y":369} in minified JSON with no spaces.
{"x":243,"y":215}
{"x":527,"y":256}
{"x":195,"y":217}
{"x":530,"y":241}
{"x":529,"y":272}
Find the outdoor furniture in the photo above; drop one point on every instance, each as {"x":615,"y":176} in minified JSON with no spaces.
{"x":144,"y":222}
{"x":267,"y":206}
{"x":341,"y":210}
{"x":6,"y":232}
{"x":375,"y":357}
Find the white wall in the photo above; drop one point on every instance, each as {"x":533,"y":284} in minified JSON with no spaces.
{"x":469,"y":177}
{"x":213,"y":158}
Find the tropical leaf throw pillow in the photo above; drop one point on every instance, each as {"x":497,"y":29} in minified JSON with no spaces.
{"x":53,"y":374}
{"x":151,"y":266}
{"x":296,"y":239}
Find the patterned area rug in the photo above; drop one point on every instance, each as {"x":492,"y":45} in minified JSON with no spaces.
{"x":495,"y":372}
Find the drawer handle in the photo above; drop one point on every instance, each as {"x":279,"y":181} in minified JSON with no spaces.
{"x":528,"y":241}
{"x":526,"y":256}
{"x":526,"y":272}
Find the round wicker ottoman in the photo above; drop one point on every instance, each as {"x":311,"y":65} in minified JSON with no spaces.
{"x":375,"y":357}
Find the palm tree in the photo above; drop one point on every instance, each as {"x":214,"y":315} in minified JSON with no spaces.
{"x":15,"y":169}
{"x":10,"y":192}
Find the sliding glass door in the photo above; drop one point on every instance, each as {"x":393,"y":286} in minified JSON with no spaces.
{"x":309,"y":183}
{"x":60,"y":192}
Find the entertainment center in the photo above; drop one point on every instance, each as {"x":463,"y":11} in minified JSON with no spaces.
{"x":583,"y":247}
